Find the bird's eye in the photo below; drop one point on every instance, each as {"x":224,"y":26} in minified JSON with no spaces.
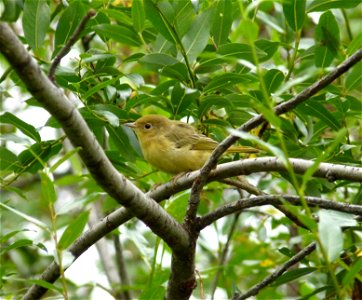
{"x":148,"y":126}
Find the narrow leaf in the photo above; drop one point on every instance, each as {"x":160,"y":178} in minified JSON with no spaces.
{"x":222,"y":22}
{"x":73,"y":231}
{"x":294,"y":11}
{"x":36,"y":20}
{"x":47,"y":188}
{"x":138,"y":15}
{"x":25,"y":128}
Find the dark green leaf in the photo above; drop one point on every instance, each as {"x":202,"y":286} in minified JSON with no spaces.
{"x":267,"y":47}
{"x":354,"y":78}
{"x":73,"y":230}
{"x":29,"y":159}
{"x":294,"y":12}
{"x":25,"y":128}
{"x":6,"y":237}
{"x":177,"y":71}
{"x":211,"y":101}
{"x":119,"y":33}
{"x":225,"y":80}
{"x":36,"y":20}
{"x":327,"y":32}
{"x":67,"y":24}
{"x":323,"y":57}
{"x":158,"y":60}
{"x":292,"y":275}
{"x":17,"y":244}
{"x":160,"y":22}
{"x":273,"y":79}
{"x":316,"y":109}
{"x":12,"y":9}
{"x":222,"y":22}
{"x":240,"y":51}
{"x":323,"y":5}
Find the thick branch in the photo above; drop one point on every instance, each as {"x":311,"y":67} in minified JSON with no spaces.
{"x":242,"y":204}
{"x":162,"y":192}
{"x":272,"y":277}
{"x":114,"y":183}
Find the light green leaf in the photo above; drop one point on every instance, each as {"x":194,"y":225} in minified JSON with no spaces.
{"x":196,"y":39}
{"x":7,"y":159}
{"x":25,"y":128}
{"x":225,"y":80}
{"x":330,"y":234}
{"x":73,"y":230}
{"x":67,"y":24}
{"x":47,"y":188}
{"x":36,"y":20}
{"x":26,"y":217}
{"x":138,"y":15}
{"x":119,"y":33}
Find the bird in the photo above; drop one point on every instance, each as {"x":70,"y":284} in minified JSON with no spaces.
{"x":174,"y":146}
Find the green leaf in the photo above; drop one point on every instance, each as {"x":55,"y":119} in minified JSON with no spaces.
{"x":249,"y":30}
{"x":273,"y":79}
{"x":294,"y":12}
{"x":12,"y":10}
{"x":160,"y":22}
{"x":111,"y":118}
{"x":354,"y":270}
{"x":138,"y":15}
{"x":355,"y":44}
{"x":293,"y":274}
{"x":32,"y":159}
{"x":225,"y":80}
{"x":158,"y":60}
{"x":119,"y":33}
{"x":73,"y":230}
{"x":267,"y":47}
{"x":36,"y":20}
{"x":26,"y":217}
{"x":67,"y":24}
{"x":323,"y":57}
{"x":330,"y":234}
{"x":354,"y":78}
{"x":17,"y":244}
{"x":100,"y":86}
{"x":323,"y":5}
{"x":327,"y":33}
{"x":240,"y":51}
{"x":25,"y":128}
{"x":222,"y":22}
{"x":195,"y":40}
{"x":7,"y":159}
{"x":47,"y":189}
{"x":177,"y":71}
{"x":6,"y":237}
{"x":316,"y":109}
{"x":210,"y":101}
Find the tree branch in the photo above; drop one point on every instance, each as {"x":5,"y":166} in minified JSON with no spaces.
{"x":164,"y":191}
{"x":258,"y":120}
{"x":99,"y":166}
{"x":242,"y":204}
{"x":72,"y":40}
{"x":272,"y":277}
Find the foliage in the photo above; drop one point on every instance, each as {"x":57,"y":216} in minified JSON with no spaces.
{"x":215,"y":64}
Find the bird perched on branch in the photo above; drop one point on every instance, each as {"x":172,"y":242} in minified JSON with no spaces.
{"x":175,"y":146}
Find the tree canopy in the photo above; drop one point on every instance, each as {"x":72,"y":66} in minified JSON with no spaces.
{"x":281,"y":76}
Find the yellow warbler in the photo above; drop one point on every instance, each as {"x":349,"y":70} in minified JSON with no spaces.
{"x":174,"y":146}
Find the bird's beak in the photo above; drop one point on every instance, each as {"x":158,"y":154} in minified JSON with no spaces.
{"x":132,"y":125}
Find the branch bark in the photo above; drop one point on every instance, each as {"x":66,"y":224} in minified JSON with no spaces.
{"x":114,"y":183}
{"x":242,"y":204}
{"x":272,"y":277}
{"x":162,"y":192}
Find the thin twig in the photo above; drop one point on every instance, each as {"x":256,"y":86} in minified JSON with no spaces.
{"x":272,"y":277}
{"x":258,"y":120}
{"x":72,"y":40}
{"x":242,"y":204}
